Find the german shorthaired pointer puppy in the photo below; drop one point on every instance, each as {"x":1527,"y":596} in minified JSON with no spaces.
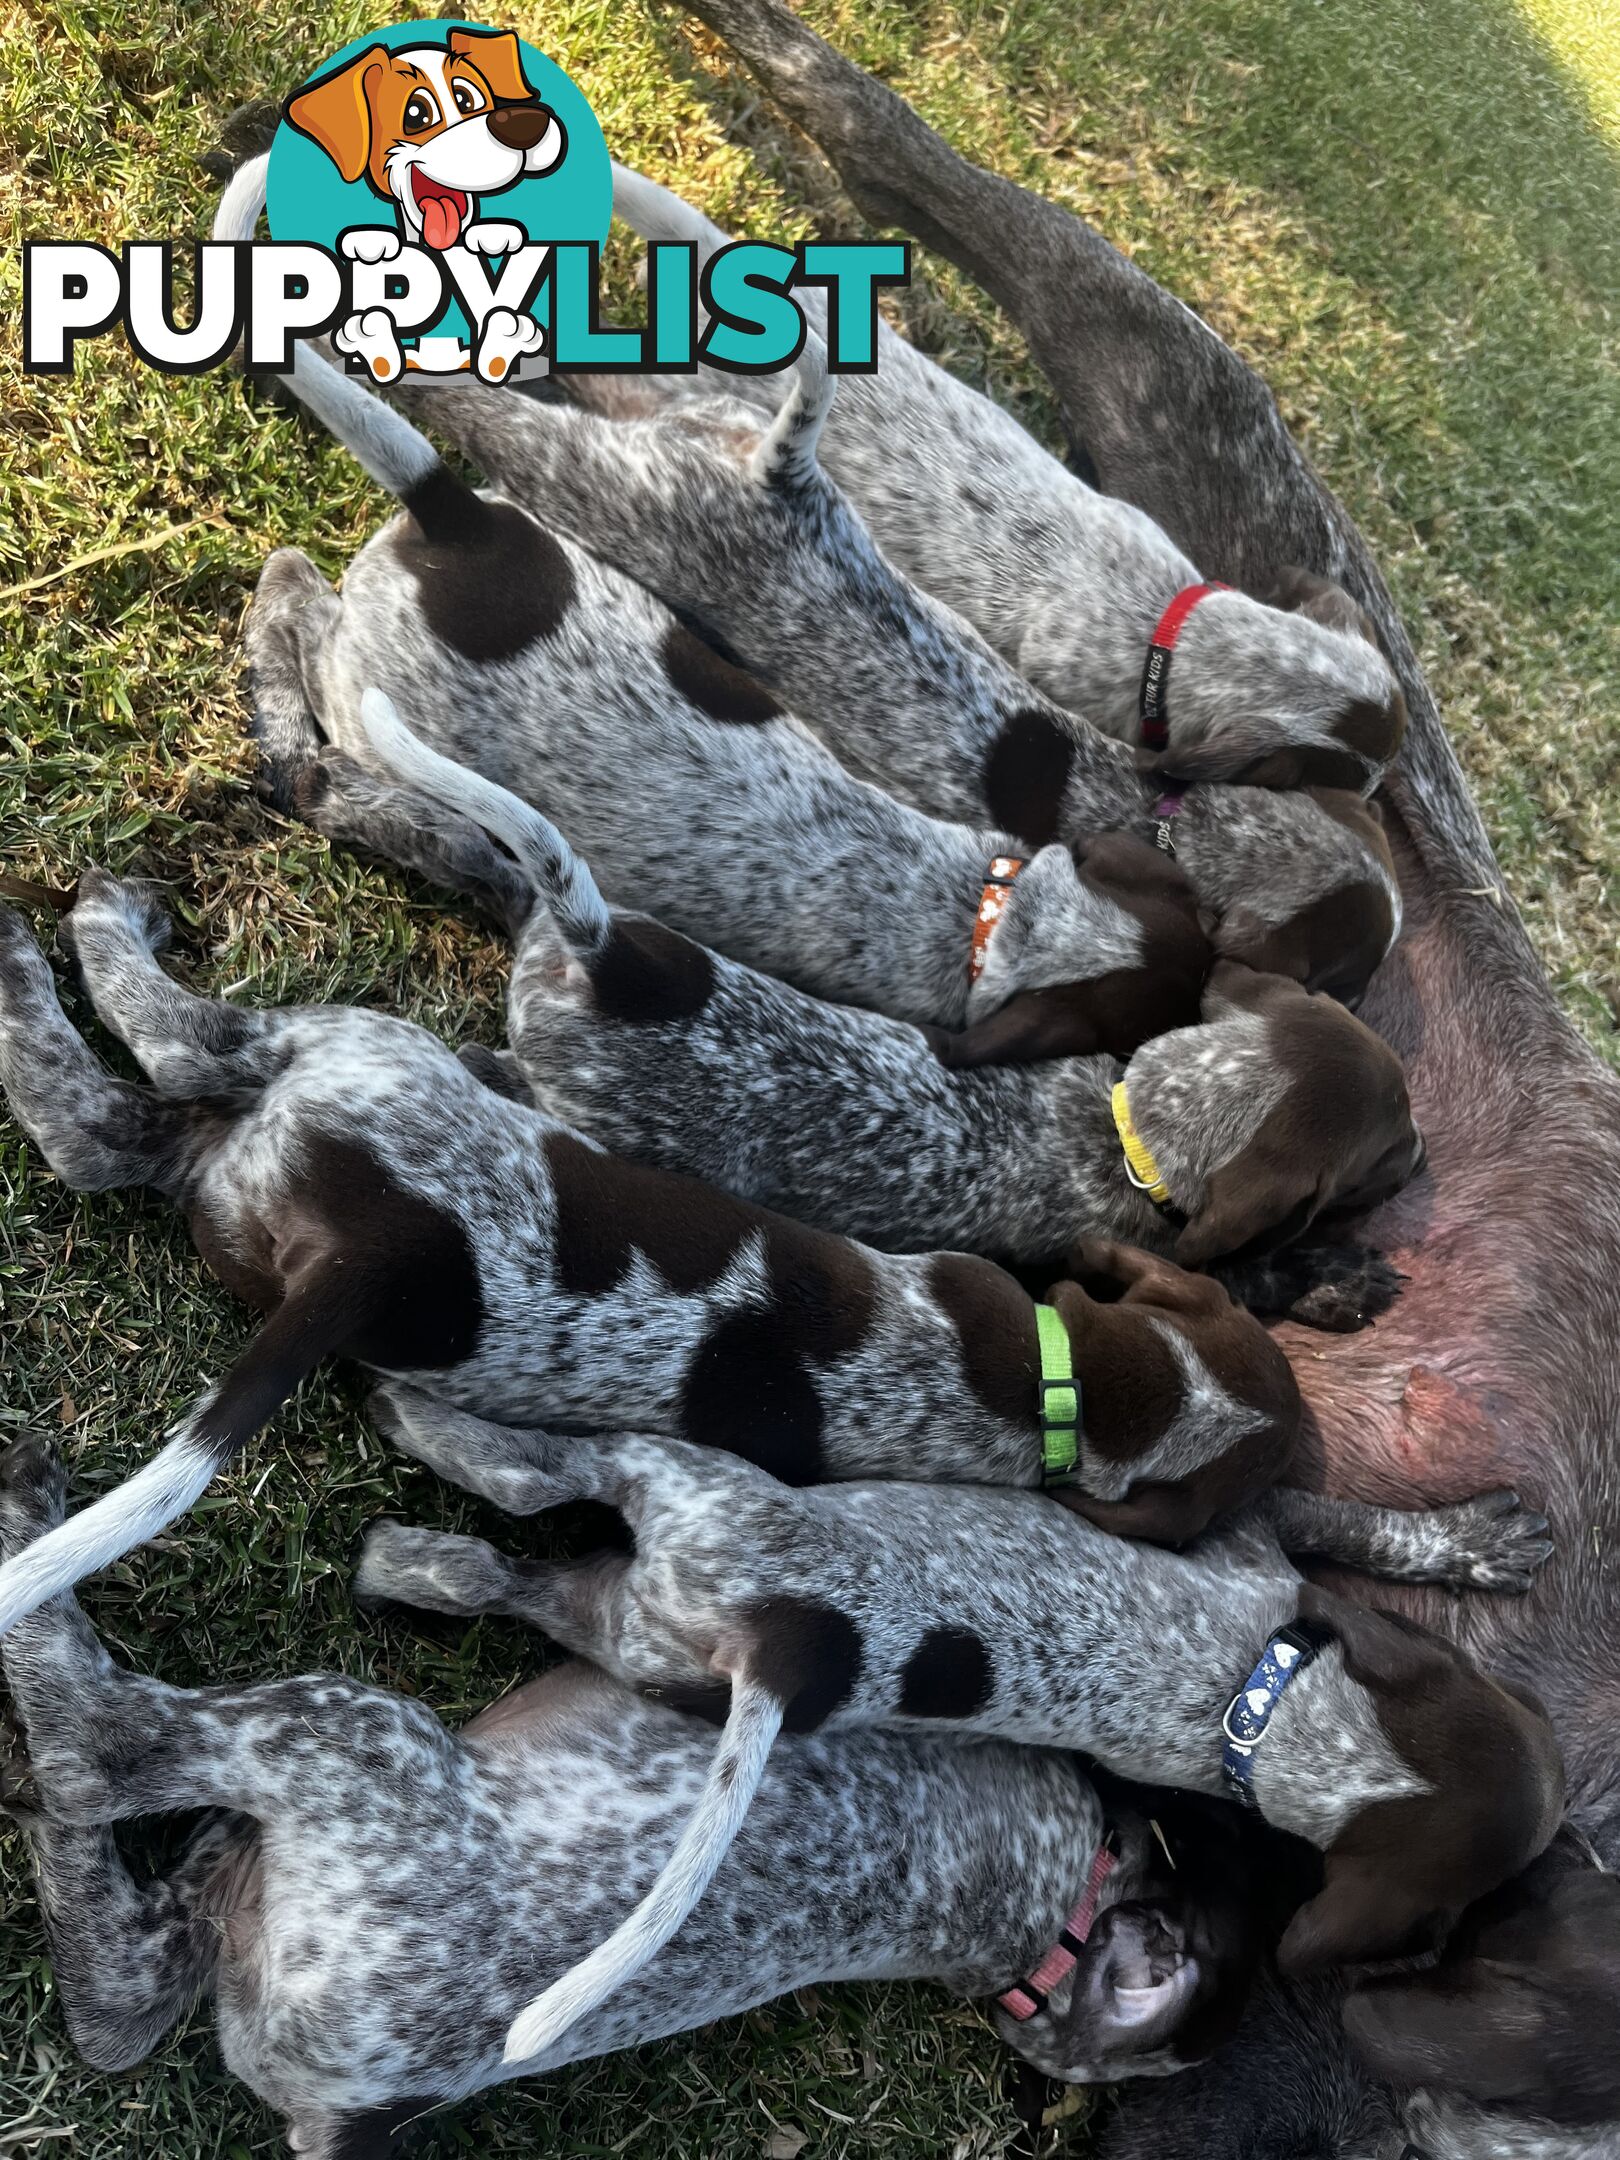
{"x":1425,"y":1783}
{"x":695,"y":793}
{"x":378,"y":1897}
{"x":1279,"y":1107}
{"x":1083,"y":593}
{"x":736,"y":525}
{"x":346,"y":1174}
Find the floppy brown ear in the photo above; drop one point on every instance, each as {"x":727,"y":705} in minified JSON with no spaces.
{"x":1302,"y":592}
{"x":1032,"y":1025}
{"x":1246,"y":1198}
{"x":336,"y":112}
{"x":1232,"y":986}
{"x":1157,"y":1514}
{"x":1438,"y":2028}
{"x":1142,"y":1278}
{"x":498,"y":58}
{"x":1360,"y":1914}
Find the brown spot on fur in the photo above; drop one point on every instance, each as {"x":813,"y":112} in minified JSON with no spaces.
{"x":995,"y":1323}
{"x":712,"y":684}
{"x":608,"y":1210}
{"x":948,"y":1675}
{"x":490,"y":580}
{"x":646,"y":974}
{"x":808,"y":1654}
{"x":750,"y":1392}
{"x":1025,"y":775}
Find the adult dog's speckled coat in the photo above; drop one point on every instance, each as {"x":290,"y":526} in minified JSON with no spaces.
{"x":992,"y":1613}
{"x":380,"y":1895}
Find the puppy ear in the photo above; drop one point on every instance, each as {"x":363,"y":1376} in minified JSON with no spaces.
{"x":498,"y":58}
{"x":1031,"y":1026}
{"x":1246,"y":1198}
{"x":1232,"y":986}
{"x":1142,"y":1278}
{"x":336,"y":112}
{"x":1359,"y":1915}
{"x":1170,"y":1515}
{"x":1302,"y":592}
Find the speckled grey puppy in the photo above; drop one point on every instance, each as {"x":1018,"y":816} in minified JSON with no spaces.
{"x":733,"y":521}
{"x":1068,"y":583}
{"x":1277,"y":1106}
{"x":382,"y":1895}
{"x":347,"y":1175}
{"x":996,"y":1614}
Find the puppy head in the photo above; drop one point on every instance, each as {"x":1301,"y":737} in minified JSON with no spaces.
{"x":1494,"y":1793}
{"x":1189,"y":1407}
{"x":429,"y":127}
{"x":1280,"y":1108}
{"x":1522,"y":2012}
{"x":1334,"y":937}
{"x":1112,"y":890}
{"x":1306,"y":702}
{"x":1165,"y":1971}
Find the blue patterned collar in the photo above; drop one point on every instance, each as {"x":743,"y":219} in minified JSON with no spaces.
{"x":1288,"y":1651}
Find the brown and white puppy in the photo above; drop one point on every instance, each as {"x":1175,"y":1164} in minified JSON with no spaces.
{"x":348,"y":1175}
{"x":1278,"y":1109}
{"x":1423,"y":1782}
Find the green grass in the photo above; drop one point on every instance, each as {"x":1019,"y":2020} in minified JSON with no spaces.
{"x":1406,"y":215}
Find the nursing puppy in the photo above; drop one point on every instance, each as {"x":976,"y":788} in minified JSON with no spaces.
{"x":695,"y":793}
{"x":1424,"y":1783}
{"x":1277,"y":1109}
{"x":382,"y":1895}
{"x":734,"y":523}
{"x":345,"y":1173}
{"x":1077,"y":589}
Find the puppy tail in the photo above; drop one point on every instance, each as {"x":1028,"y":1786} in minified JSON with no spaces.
{"x":734,"y":1778}
{"x":786,"y":456}
{"x":304,"y":1327}
{"x":564,"y":883}
{"x":398,"y":456}
{"x":656,"y":214}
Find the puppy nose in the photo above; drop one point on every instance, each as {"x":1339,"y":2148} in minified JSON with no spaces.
{"x":518,"y":127}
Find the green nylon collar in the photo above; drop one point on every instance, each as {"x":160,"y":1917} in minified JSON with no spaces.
{"x":1058,"y":1400}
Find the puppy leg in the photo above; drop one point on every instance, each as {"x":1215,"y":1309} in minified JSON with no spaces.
{"x":105,"y":1744}
{"x":189,"y":1046}
{"x":96,"y":1132}
{"x":294,"y":611}
{"x":128,"y":1960}
{"x":352,"y":808}
{"x":1492,"y":1543}
{"x":578,"y":1603}
{"x":521,"y":1471}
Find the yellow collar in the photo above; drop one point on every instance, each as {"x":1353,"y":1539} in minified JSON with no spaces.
{"x":1140,"y":1167}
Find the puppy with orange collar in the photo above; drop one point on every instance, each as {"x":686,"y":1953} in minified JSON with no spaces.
{"x":430,"y":129}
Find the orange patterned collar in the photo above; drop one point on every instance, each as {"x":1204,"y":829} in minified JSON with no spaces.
{"x":992,"y":906}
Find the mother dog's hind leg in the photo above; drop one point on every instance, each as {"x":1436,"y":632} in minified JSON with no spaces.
{"x":96,"y":1132}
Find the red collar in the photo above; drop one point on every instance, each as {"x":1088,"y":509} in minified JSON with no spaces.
{"x":1153,"y":704}
{"x":992,"y":906}
{"x":1025,"y":1998}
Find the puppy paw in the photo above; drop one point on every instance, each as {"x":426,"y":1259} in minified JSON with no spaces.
{"x":370,"y":243}
{"x":493,"y":236}
{"x":131,"y":907}
{"x":432,"y":1570}
{"x":504,"y":338}
{"x":1338,"y":1288}
{"x":33,"y":1492}
{"x":371,"y":338}
{"x":1493,"y":1543}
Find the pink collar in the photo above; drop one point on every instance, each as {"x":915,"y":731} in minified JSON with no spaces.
{"x":1153,"y":704}
{"x":1025,"y":1998}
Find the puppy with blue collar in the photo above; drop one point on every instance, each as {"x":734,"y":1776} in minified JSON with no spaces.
{"x":1423,"y":1782}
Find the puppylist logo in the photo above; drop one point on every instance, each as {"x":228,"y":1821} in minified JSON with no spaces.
{"x":437,"y":197}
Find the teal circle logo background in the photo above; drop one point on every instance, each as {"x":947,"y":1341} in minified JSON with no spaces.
{"x":307,"y":198}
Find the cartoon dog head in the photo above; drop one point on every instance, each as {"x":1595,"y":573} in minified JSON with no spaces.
{"x":431,"y":127}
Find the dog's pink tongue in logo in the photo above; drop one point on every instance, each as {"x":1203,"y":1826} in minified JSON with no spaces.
{"x":443,"y":209}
